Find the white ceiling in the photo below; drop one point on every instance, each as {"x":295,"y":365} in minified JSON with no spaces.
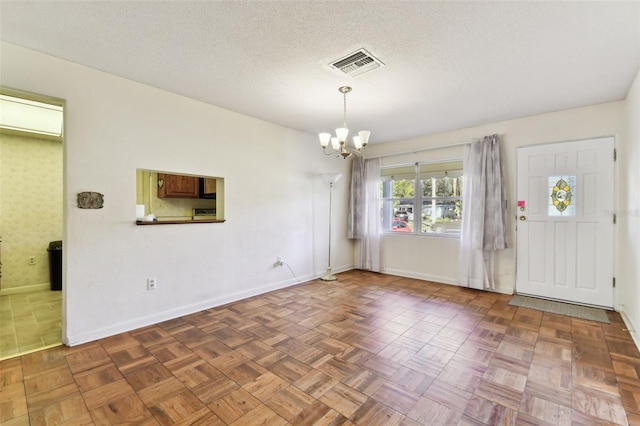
{"x":449,"y":65}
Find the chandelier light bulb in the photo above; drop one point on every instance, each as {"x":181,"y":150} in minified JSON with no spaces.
{"x":325,"y":138}
{"x":335,"y":143}
{"x":357,"y":142}
{"x":364,"y":137}
{"x":342,"y":133}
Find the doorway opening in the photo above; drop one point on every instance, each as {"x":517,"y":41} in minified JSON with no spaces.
{"x":31,"y":222}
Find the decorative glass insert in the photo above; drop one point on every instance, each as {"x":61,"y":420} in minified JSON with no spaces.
{"x":562,"y":190}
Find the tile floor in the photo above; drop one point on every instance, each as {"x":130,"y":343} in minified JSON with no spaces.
{"x":369,"y":349}
{"x":30,"y":321}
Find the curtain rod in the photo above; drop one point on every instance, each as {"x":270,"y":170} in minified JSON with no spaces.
{"x":414,"y":151}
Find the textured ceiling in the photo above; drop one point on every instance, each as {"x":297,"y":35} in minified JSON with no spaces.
{"x":449,"y":65}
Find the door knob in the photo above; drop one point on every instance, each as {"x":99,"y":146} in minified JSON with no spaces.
{"x":523,"y":218}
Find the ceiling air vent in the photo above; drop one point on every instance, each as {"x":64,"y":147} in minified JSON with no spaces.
{"x":357,"y":63}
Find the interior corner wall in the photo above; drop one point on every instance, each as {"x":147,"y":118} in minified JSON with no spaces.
{"x":436,"y":258}
{"x":275,"y":204}
{"x":628,"y":223}
{"x":30,"y":208}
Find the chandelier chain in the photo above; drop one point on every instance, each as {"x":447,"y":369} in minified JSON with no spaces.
{"x":344,"y":118}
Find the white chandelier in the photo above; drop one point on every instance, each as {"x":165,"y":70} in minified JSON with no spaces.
{"x":339,"y":141}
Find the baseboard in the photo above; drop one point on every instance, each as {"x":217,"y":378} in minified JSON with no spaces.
{"x":335,"y":270}
{"x":437,"y":279}
{"x":419,"y":276}
{"x":123,"y":327}
{"x":631,"y":328}
{"x":504,"y":290}
{"x":24,"y":289}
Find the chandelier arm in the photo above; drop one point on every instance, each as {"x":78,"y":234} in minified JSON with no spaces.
{"x":340,"y":152}
{"x":356,"y":152}
{"x":334,"y":152}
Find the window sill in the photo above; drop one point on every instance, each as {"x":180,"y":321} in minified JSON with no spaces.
{"x":415,"y":234}
{"x":179,"y":222}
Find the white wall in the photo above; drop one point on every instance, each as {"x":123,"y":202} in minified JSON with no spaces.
{"x":628,"y":270}
{"x":275,"y":204}
{"x":436,"y":258}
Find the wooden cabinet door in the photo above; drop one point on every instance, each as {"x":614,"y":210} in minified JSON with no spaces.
{"x":176,"y":186}
{"x":208,"y":188}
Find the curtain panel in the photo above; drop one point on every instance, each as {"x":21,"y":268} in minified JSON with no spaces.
{"x":483,"y":213}
{"x":356,"y":200}
{"x":364,"y":213}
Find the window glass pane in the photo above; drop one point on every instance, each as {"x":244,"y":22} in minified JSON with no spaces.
{"x":442,"y":202}
{"x":442,"y":216}
{"x":401,"y":226}
{"x":397,"y":194}
{"x":396,"y":211}
{"x":562,"y":195}
{"x":403,"y":188}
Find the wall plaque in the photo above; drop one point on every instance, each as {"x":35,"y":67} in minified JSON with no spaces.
{"x":90,"y":200}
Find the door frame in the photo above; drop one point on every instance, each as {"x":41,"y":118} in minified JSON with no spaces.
{"x":18,"y":93}
{"x":613,"y":211}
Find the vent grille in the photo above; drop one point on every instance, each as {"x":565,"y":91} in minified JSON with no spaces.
{"x":357,"y":63}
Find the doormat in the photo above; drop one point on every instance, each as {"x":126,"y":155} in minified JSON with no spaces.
{"x":576,"y":311}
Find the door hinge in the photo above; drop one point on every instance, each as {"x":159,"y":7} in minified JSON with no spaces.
{"x":615,"y":154}
{"x":614,"y":282}
{"x":615,"y":218}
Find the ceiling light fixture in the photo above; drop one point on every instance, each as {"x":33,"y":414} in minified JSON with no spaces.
{"x":339,"y":141}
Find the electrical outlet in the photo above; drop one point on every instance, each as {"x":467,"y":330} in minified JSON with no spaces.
{"x":32,"y":260}
{"x":151,"y":283}
{"x":279,"y":261}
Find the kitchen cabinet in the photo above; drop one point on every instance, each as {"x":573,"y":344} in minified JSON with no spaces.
{"x":177,"y":186}
{"x":208,"y":188}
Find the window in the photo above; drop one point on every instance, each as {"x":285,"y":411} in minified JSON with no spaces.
{"x":424,"y":198}
{"x":563,"y":193}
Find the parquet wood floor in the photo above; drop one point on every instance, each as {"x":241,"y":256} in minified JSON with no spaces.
{"x":369,"y":349}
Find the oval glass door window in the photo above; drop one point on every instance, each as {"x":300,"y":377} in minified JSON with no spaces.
{"x":562,"y":196}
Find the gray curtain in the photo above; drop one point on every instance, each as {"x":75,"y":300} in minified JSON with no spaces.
{"x":483,"y":213}
{"x":356,"y":196}
{"x":364,"y":213}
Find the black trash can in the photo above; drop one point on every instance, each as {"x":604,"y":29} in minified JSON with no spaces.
{"x":55,"y":265}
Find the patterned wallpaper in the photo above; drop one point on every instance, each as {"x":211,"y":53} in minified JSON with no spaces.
{"x":30,"y":207}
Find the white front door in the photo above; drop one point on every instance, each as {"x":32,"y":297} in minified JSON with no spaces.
{"x":565,"y":221}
